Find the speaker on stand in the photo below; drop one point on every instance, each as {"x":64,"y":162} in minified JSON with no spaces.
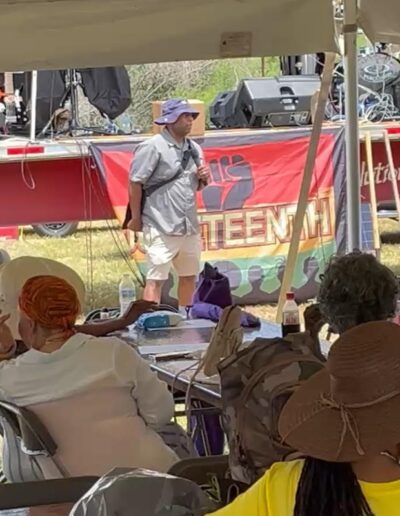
{"x":222,"y":112}
{"x":277,"y":102}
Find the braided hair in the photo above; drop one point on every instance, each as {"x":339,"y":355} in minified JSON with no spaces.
{"x":329,"y":489}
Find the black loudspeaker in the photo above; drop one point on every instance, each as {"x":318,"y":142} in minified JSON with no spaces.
{"x":222,"y":111}
{"x":278,"y":101}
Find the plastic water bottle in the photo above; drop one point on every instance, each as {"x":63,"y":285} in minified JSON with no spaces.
{"x":125,"y":123}
{"x":104,"y":314}
{"x":127,"y":293}
{"x":290,"y":316}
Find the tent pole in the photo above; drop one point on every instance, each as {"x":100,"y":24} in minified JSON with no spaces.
{"x":302,"y":203}
{"x":352,"y":129}
{"x":33,"y":106}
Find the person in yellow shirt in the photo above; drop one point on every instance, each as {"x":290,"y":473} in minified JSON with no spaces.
{"x":346,"y":421}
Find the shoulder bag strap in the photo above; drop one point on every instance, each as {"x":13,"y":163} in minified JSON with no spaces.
{"x":190,"y":152}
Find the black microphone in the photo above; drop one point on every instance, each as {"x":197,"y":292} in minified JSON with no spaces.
{"x":196,"y":157}
{"x":197,"y":161}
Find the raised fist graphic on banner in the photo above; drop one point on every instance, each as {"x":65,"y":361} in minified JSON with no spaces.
{"x":231,"y":184}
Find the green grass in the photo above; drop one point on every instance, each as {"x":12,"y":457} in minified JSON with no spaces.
{"x":107,"y":266}
{"x":390,"y":236}
{"x":97,"y":241}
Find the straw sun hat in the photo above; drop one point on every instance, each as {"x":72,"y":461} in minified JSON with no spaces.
{"x":4,"y":257}
{"x":350,"y":409}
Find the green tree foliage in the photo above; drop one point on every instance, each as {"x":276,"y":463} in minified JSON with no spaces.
{"x":201,"y":80}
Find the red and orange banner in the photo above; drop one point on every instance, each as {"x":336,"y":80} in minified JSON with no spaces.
{"x":247,"y":211}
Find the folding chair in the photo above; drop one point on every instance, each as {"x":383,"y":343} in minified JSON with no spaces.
{"x":199,"y":469}
{"x":33,"y":437}
{"x":44,"y":492}
{"x":212,"y":475}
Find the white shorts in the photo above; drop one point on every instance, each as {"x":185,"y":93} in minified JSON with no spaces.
{"x":164,"y":251}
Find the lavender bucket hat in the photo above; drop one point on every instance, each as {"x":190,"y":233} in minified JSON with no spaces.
{"x":172,"y":109}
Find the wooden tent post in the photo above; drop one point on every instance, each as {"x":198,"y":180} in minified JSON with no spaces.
{"x":306,"y":183}
{"x":372,"y":194}
{"x":392,"y":170}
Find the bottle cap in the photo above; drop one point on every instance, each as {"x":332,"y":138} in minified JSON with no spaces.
{"x":290,"y":296}
{"x":104,"y":314}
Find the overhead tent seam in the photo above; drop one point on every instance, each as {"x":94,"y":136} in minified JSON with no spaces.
{"x":85,"y":33}
{"x":380,"y":20}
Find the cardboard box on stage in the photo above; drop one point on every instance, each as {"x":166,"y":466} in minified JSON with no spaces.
{"x":199,"y":125}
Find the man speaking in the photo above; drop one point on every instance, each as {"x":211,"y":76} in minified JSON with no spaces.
{"x":167,"y":171}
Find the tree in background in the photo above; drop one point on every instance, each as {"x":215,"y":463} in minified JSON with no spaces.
{"x":201,"y":80}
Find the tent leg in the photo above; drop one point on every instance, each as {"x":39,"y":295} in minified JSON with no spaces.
{"x":372,"y":194}
{"x":352,"y":129}
{"x":306,"y":183}
{"x":33,"y":106}
{"x":392,"y":170}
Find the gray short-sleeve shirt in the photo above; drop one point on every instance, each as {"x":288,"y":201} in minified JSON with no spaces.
{"x":172,"y":208}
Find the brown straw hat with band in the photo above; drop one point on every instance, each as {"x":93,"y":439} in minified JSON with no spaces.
{"x":350,"y":409}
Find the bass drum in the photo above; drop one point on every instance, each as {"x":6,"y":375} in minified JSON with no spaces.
{"x":378,"y":71}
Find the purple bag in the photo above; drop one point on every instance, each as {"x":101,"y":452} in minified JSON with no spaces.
{"x":213,"y":288}
{"x":214,"y":313}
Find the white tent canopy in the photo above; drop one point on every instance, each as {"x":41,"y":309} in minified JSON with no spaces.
{"x":380,"y":20}
{"x":54,"y":34}
{"x":46,"y":34}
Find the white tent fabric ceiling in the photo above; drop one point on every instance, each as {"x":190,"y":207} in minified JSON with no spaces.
{"x":381,"y":20}
{"x":46,"y":34}
{"x":77,"y":33}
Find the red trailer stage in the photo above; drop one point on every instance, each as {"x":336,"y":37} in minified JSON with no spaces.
{"x":247,"y":212}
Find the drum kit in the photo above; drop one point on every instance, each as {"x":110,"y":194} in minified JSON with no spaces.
{"x":379,"y":86}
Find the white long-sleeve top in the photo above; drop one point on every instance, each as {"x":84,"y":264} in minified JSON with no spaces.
{"x":98,"y":398}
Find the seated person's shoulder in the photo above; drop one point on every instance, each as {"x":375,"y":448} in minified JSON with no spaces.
{"x":274,"y":489}
{"x":109,"y":342}
{"x":284,"y":473}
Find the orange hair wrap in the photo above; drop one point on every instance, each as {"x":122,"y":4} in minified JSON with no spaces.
{"x":50,"y":301}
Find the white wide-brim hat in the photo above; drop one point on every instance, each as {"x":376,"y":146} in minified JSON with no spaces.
{"x":4,"y":258}
{"x":15,"y":273}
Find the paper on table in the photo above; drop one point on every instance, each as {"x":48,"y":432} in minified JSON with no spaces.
{"x":188,"y":324}
{"x":162,"y":349}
